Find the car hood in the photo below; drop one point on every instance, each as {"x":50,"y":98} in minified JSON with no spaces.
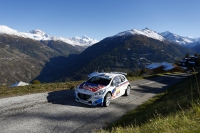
{"x":90,"y":87}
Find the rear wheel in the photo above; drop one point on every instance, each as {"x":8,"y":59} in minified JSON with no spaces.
{"x":128,"y":90}
{"x":107,"y":99}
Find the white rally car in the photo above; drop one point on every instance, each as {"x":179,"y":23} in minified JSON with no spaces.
{"x":100,"y":88}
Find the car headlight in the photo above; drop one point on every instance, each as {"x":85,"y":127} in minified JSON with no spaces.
{"x":76,"y":89}
{"x":101,"y":92}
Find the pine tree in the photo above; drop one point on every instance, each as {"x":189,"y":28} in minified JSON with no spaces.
{"x":187,"y":55}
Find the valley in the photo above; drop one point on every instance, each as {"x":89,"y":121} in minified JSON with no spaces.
{"x":35,"y":55}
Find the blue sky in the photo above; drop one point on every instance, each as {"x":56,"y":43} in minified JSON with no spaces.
{"x":101,"y":18}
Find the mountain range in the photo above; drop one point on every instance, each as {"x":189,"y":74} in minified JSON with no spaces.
{"x":126,"y":53}
{"x":23,"y":56}
{"x":85,"y":41}
{"x":35,"y":55}
{"x":184,"y":41}
{"x":42,"y":36}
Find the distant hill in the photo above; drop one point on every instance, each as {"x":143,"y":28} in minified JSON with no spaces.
{"x":125,"y":52}
{"x":23,"y":59}
{"x":26,"y":56}
{"x":63,"y":48}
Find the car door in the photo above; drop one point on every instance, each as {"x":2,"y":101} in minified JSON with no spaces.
{"x":118,"y":90}
{"x":123,"y":84}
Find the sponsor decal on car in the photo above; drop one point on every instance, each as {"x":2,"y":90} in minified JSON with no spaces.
{"x":125,"y":83}
{"x":115,"y":92}
{"x":100,"y":88}
{"x":91,"y":87}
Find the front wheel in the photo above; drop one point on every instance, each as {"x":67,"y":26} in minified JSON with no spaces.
{"x":128,"y":90}
{"x":107,"y":99}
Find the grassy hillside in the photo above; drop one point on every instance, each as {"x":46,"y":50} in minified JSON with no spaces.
{"x":36,"y":88}
{"x":175,"y":110}
{"x":63,"y":48}
{"x":23,"y":59}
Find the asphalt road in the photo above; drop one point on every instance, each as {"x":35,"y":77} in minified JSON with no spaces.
{"x":57,"y":112}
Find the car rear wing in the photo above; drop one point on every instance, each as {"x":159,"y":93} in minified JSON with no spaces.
{"x":94,"y":74}
{"x":98,"y":74}
{"x":120,"y":73}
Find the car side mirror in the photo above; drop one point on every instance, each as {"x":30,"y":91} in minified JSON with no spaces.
{"x":114,"y":84}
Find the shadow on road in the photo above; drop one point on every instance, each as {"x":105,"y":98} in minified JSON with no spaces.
{"x":64,"y":97}
{"x":149,"y":89}
{"x":168,"y":77}
{"x":157,"y":84}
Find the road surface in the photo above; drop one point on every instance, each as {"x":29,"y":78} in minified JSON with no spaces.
{"x":57,"y":112}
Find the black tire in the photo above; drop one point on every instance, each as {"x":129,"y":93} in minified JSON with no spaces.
{"x":107,"y":99}
{"x":127,"y":91}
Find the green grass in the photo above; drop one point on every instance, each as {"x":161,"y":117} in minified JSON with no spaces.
{"x":133,"y":78}
{"x":175,"y":110}
{"x":36,"y":88}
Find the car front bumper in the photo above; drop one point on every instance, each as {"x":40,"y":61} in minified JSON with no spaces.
{"x":89,"y":99}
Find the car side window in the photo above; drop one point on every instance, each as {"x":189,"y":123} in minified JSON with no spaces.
{"x":122,"y":78}
{"x":116,"y":80}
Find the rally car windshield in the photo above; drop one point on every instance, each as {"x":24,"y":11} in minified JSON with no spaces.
{"x":99,"y":80}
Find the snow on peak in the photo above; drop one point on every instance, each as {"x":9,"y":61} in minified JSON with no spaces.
{"x":34,"y":34}
{"x":152,"y":34}
{"x":37,"y":35}
{"x":85,"y":37}
{"x":176,"y":38}
{"x":146,"y":32}
{"x":39,"y":32}
{"x":6,"y":30}
{"x":84,"y":41}
{"x":40,"y":35}
{"x":190,"y":37}
{"x":166,"y":33}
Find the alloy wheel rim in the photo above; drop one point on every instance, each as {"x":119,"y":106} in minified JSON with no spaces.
{"x":128,"y":90}
{"x":108,"y":100}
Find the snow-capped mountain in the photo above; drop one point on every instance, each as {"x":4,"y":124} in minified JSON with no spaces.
{"x":146,"y":32}
{"x":184,"y":41}
{"x":42,"y":36}
{"x":84,"y":41}
{"x":37,"y":35}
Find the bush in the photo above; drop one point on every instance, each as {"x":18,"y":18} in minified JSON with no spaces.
{"x":131,"y":74}
{"x":36,"y":82}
